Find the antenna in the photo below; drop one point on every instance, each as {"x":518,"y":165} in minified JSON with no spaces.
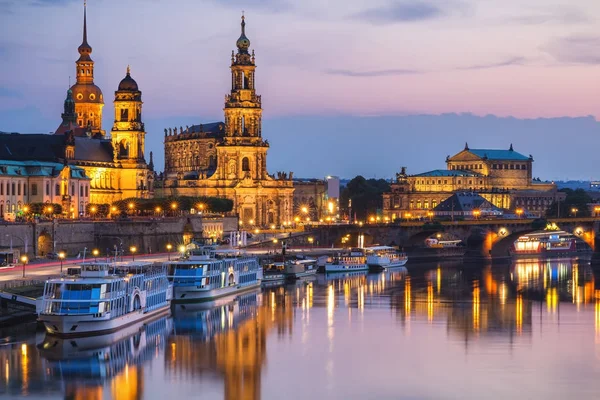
{"x":69,"y":82}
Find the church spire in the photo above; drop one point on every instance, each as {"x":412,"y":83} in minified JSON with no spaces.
{"x":85,"y":49}
{"x":243,"y":43}
{"x":69,"y":116}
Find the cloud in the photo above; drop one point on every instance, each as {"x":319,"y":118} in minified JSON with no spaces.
{"x":382,"y":72}
{"x":562,"y":16}
{"x":505,"y":63}
{"x":578,"y":49}
{"x":406,"y":11}
{"x":275,"y":6}
{"x":6,"y":92}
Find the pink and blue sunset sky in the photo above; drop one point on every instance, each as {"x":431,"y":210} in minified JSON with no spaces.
{"x":512,"y":58}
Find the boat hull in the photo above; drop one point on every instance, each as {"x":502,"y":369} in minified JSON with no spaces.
{"x":185,"y":294}
{"x":345,"y":268}
{"x":297,"y":275}
{"x":87,"y":325}
{"x":390,"y":264}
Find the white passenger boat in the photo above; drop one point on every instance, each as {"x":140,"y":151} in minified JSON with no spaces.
{"x":104,"y":297}
{"x":382,"y":257}
{"x":289,"y":270}
{"x":355,"y":260}
{"x":206,"y":273}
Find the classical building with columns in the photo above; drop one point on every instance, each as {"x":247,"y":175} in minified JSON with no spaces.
{"x":229,"y":159}
{"x":503,"y":177}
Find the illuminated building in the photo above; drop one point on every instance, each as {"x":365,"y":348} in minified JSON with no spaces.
{"x":229,"y":159}
{"x":502,"y":177}
{"x":115,"y":166}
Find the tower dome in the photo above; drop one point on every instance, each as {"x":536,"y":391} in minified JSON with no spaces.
{"x":243,"y":43}
{"x":128,"y":83}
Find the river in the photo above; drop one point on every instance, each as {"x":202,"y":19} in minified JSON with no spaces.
{"x":530,"y":330}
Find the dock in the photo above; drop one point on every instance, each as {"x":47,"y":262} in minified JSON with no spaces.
{"x":19,"y":301}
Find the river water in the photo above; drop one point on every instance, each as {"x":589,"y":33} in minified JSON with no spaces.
{"x":530,"y":330}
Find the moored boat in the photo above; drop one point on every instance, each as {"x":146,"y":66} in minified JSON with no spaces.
{"x":290,"y":270}
{"x":382,"y":257}
{"x":354,"y":260}
{"x":206,"y":273}
{"x":104,"y":297}
{"x":548,"y":244}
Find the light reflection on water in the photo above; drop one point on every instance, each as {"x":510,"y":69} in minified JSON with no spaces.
{"x":434,"y":331}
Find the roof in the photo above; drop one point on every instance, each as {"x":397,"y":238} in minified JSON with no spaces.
{"x":493,"y":154}
{"x":213,"y":127}
{"x":88,"y":149}
{"x":39,"y":147}
{"x":37,"y":168}
{"x":465,"y":202}
{"x":446,"y":172}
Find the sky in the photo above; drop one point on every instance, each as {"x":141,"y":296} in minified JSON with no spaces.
{"x":411,"y":80}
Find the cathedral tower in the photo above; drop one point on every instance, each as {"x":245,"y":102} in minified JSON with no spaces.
{"x":243,"y":110}
{"x":129,"y":139}
{"x":128,"y":134}
{"x":243,"y":153}
{"x":88,"y":97}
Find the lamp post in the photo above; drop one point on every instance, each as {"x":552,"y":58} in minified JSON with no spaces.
{"x":596,"y":210}
{"x":476,"y":214}
{"x":61,"y":256}
{"x":182,"y":250}
{"x":174,"y":208}
{"x":24,"y":260}
{"x":574,"y":211}
{"x":311,"y":240}
{"x":169,"y":247}
{"x":519,"y":212}
{"x":95,"y":253}
{"x":133,"y":249}
{"x":430,"y":215}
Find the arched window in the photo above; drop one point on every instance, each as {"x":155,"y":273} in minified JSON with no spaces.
{"x":245,"y":164}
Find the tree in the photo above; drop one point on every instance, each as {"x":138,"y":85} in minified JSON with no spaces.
{"x":366,"y":196}
{"x":576,"y":200}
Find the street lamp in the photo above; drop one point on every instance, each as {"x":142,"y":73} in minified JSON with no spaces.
{"x":311,"y":240}
{"x":61,"y":256}
{"x":93,"y":211}
{"x":596,"y":210}
{"x":476,"y":214}
{"x":574,"y":211}
{"x":182,"y":250}
{"x":133,"y":249}
{"x":95,"y":253}
{"x":131,"y":206}
{"x":519,"y":212}
{"x":157,"y":209}
{"x":169,"y":247}
{"x":430,"y":215}
{"x":174,"y":207}
{"x":24,"y":260}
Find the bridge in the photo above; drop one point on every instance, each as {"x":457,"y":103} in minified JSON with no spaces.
{"x":486,"y":238}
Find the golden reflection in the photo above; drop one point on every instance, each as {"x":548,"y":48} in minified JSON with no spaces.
{"x":128,"y":384}
{"x":407,"y":298}
{"x":552,"y":300}
{"x":476,"y":305}
{"x":346,"y":293}
{"x":429,"y":302}
{"x":597,"y":315}
{"x":503,"y":293}
{"x":24,"y":370}
{"x":361,"y":298}
{"x":439,"y":279}
{"x":519,"y":314}
{"x":575,"y":279}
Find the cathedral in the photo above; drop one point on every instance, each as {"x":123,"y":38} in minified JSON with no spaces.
{"x":115,"y":164}
{"x":229,"y":159}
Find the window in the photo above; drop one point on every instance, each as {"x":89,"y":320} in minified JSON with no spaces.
{"x":1,"y":188}
{"x":19,"y":188}
{"x":81,"y":191}
{"x":459,"y":181}
{"x":57,"y":189}
{"x":73,"y":190}
{"x":445,"y":181}
{"x":34,"y":189}
{"x":245,"y":164}
{"x":439,"y":181}
{"x":13,"y":188}
{"x":86,"y":191}
{"x":47,"y":189}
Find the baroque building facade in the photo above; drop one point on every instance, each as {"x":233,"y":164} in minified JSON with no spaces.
{"x":229,"y":159}
{"x":115,"y":164}
{"x":503,"y":177}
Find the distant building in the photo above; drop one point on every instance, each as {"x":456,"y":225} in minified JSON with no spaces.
{"x":502,"y":177}
{"x":466,"y":205}
{"x":595,"y":185}
{"x":309,"y":199}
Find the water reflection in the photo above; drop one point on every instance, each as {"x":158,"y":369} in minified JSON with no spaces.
{"x":265,"y":343}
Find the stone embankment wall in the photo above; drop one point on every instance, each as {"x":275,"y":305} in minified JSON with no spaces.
{"x":147,"y":235}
